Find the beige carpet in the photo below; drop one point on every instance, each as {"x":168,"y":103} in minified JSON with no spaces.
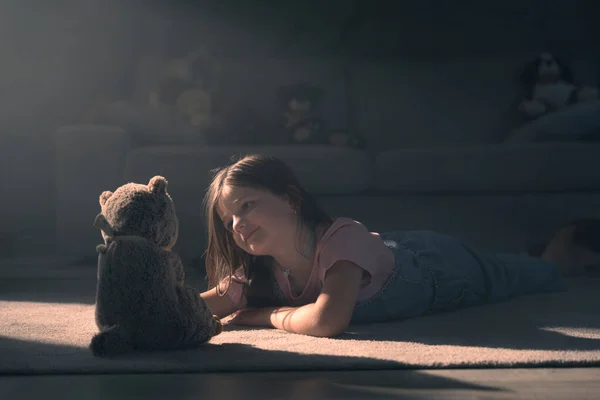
{"x":46,"y":322}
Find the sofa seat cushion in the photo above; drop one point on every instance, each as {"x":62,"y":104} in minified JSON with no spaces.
{"x":490,"y":168}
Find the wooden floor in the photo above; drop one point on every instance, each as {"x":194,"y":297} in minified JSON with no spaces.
{"x":544,"y":384}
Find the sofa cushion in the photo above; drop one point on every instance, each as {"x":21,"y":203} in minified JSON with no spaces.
{"x":427,"y":104}
{"x":580,"y":121}
{"x":321,"y":169}
{"x":494,"y":222}
{"x":444,"y":102}
{"x":494,"y":168}
{"x":252,"y":85}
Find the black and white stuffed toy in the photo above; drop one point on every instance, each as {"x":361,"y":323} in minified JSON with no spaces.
{"x":549,"y":86}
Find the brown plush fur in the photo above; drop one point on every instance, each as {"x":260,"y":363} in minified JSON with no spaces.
{"x":141,"y":302}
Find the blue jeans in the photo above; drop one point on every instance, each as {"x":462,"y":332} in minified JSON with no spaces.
{"x":435,"y":272}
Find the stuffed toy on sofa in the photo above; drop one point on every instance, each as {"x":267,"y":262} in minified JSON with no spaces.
{"x":304,"y":123}
{"x":141,"y":300}
{"x":180,"y":110}
{"x":548,"y":83}
{"x":188,"y":86}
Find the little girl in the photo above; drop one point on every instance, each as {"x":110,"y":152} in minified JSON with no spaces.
{"x":275,"y":259}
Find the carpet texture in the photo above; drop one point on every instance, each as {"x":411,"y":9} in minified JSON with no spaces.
{"x":46,"y":324}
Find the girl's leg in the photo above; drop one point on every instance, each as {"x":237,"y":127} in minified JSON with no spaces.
{"x":464,"y":276}
{"x":525,"y":275}
{"x":436,"y":272}
{"x":407,"y":293}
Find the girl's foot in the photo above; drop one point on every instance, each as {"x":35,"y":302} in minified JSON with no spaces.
{"x":574,"y":248}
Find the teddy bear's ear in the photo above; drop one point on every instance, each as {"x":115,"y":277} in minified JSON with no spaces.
{"x":158,"y":184}
{"x":104,"y":196}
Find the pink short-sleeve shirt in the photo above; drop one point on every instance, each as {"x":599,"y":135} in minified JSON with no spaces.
{"x":345,"y":240}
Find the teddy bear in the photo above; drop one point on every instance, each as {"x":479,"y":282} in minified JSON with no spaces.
{"x":548,"y":82}
{"x":141,"y":300}
{"x":304,"y":124}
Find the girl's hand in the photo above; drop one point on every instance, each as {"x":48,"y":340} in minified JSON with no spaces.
{"x":252,"y":317}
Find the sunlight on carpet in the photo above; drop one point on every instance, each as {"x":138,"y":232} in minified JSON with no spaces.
{"x":576,"y":332}
{"x":47,"y":323}
{"x":557,"y":329}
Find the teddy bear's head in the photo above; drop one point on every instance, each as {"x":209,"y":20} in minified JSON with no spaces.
{"x":141,"y":210}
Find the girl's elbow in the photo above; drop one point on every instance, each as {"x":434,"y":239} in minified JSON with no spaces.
{"x":331,"y":333}
{"x":329,"y":328}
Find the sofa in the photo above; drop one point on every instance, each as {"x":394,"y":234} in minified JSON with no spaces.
{"x":498,"y":197}
{"x":434,"y":161}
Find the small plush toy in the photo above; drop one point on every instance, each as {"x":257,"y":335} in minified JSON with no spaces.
{"x":141,"y":300}
{"x":304,"y":123}
{"x":340,"y":137}
{"x":549,"y":86}
{"x":195,"y":106}
{"x":188,"y":86}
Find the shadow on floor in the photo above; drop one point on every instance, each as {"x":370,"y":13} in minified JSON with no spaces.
{"x":31,"y":358}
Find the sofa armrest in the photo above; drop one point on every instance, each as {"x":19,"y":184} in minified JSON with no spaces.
{"x":89,"y":160}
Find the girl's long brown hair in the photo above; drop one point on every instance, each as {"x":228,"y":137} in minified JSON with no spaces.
{"x":223,"y":256}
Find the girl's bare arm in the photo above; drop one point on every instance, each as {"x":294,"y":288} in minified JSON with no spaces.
{"x":329,"y":316}
{"x":221,"y":306}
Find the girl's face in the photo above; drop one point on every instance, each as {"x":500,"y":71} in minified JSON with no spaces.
{"x":261,"y":222}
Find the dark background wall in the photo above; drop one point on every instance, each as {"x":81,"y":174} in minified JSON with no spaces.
{"x":56,"y":56}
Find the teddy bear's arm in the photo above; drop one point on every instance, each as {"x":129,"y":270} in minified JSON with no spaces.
{"x":201,"y":323}
{"x":102,"y":304}
{"x":177,"y":265}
